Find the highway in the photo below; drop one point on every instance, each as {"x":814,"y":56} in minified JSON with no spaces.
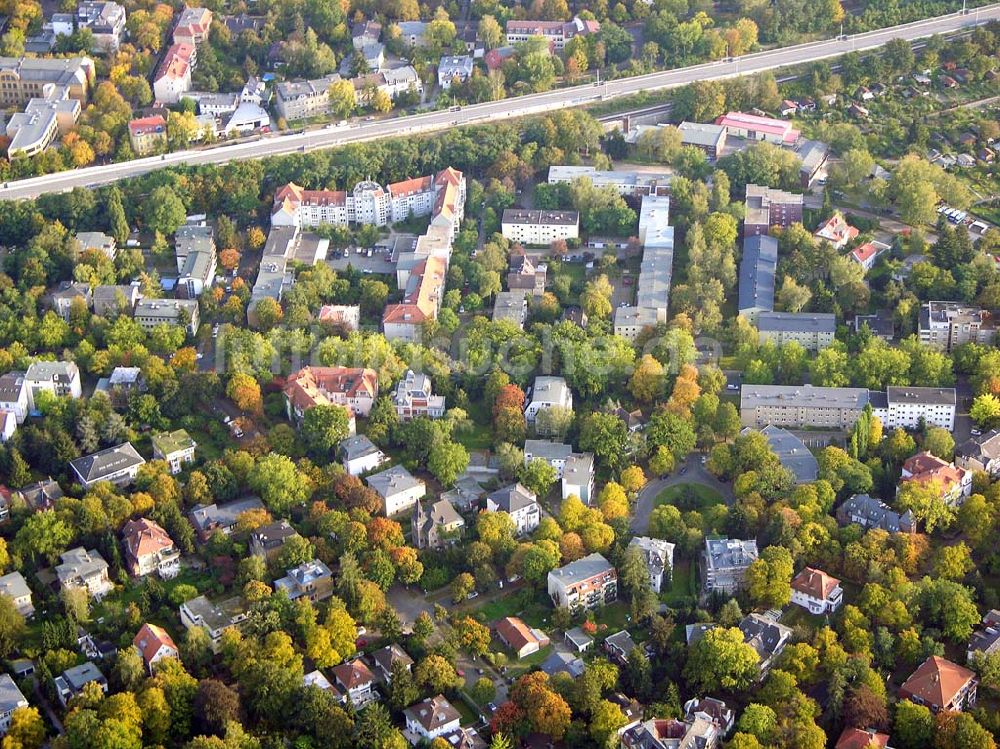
{"x":278,"y":144}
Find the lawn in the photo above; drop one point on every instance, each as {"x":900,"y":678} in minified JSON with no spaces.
{"x":689,"y":496}
{"x":518,"y":666}
{"x":480,"y":437}
{"x":533,"y":609}
{"x":683,"y":583}
{"x":611,"y":618}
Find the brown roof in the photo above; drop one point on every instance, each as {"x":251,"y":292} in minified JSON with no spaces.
{"x":150,"y":639}
{"x":936,"y":681}
{"x":921,"y":462}
{"x":855,"y":738}
{"x":354,"y":674}
{"x":294,"y":195}
{"x":515,"y":632}
{"x":421,"y":303}
{"x":433,"y":713}
{"x":815,"y":583}
{"x":410,"y":186}
{"x":306,"y":387}
{"x":925,"y":468}
{"x":144,"y":537}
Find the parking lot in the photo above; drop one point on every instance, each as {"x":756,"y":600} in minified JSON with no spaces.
{"x":379,"y":262}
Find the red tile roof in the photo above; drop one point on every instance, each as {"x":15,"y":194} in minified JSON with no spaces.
{"x":855,"y":738}
{"x":144,"y":537}
{"x":937,"y":682}
{"x":153,"y":124}
{"x":306,"y":387}
{"x":815,"y":583}
{"x":352,"y":675}
{"x":150,"y":639}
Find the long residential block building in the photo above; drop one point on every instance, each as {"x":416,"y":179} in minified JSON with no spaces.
{"x":557,"y":33}
{"x":630,"y":184}
{"x":757,"y":269}
{"x":655,"y":271}
{"x":539,"y":228}
{"x":814,"y":331}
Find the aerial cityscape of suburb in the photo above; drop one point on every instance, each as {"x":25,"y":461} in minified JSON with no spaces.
{"x":499,"y":374}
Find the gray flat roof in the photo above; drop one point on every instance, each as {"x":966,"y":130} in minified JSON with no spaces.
{"x":754,"y":396}
{"x":926,"y":396}
{"x":532,"y":217}
{"x":797,"y":322}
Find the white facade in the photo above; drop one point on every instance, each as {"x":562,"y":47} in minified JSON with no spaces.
{"x":10,"y":700}
{"x":546,"y":393}
{"x":817,"y":592}
{"x":62,"y":379}
{"x":578,"y":477}
{"x":905,"y":407}
{"x":539,"y":228}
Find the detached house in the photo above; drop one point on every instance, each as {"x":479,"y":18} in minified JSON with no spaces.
{"x":356,"y":682}
{"x":360,"y":455}
{"x":955,"y":483}
{"x":519,"y":637}
{"x":207,"y":519}
{"x":10,"y":700}
{"x":553,"y":453}
{"x":311,"y":580}
{"x":72,"y":681}
{"x":941,"y":685}
{"x":546,"y":393}
{"x":61,"y":379}
{"x":855,"y":738}
{"x":518,"y":502}
{"x":817,"y":592}
{"x":398,"y":489}
{"x":435,"y":524}
{"x":176,"y":448}
{"x":767,"y":637}
{"x":578,"y":477}
{"x":837,"y":231}
{"x":980,"y":453}
{"x":14,"y":586}
{"x":268,"y":540}
{"x":725,"y":562}
{"x":432,"y":718}
{"x":86,"y":570}
{"x":659,"y":558}
{"x":384,"y":659}
{"x":149,"y":549}
{"x":154,"y":644}
{"x":119,"y":465}
{"x":213,"y":618}
{"x":14,"y":395}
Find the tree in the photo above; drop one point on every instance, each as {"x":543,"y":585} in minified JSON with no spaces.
{"x":864,"y":709}
{"x":244,"y":391}
{"x":634,"y":575}
{"x":164,"y":211}
{"x":435,"y":674}
{"x":596,"y":297}
{"x":546,"y":711}
{"x":279,"y":482}
{"x":43,"y":534}
{"x":267,"y":313}
{"x":461,"y":586}
{"x":955,"y":730}
{"x":672,"y":432}
{"x":632,"y":480}
{"x":605,"y":720}
{"x":721,"y":660}
{"x":324,"y":427}
{"x":489,"y":32}
{"x":940,"y":443}
{"x":26,"y":731}
{"x":985,"y":411}
{"x":769,"y":577}
{"x":913,"y":726}
{"x":924,"y":500}
{"x":606,"y":436}
{"x":953,"y":562}
{"x":117,"y":222}
{"x":538,"y":476}
{"x":647,"y":382}
{"x":215,"y":705}
{"x":342,"y":98}
{"x":447,"y":461}
{"x":793,"y":297}
{"x":483,"y":691}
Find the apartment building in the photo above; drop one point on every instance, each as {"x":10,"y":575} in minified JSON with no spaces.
{"x":908,"y":406}
{"x":520,"y":503}
{"x":106,"y":21}
{"x":511,"y":306}
{"x":659,"y":558}
{"x":945,"y":325}
{"x":814,"y":331}
{"x":25,"y":78}
{"x":413,"y":397}
{"x":587,"y":583}
{"x":176,"y":448}
{"x":578,"y":477}
{"x":81,"y":569}
{"x":725,"y":562}
{"x":767,"y":207}
{"x":42,"y":121}
{"x":954,"y":484}
{"x":354,"y":388}
{"x":195,"y":252}
{"x":757,"y":270}
{"x":298,"y":100}
{"x":61,"y":379}
{"x":801,"y":406}
{"x":173,"y":76}
{"x":539,"y":228}
{"x":193,"y":26}
{"x":524,"y":275}
{"x":181,"y":312}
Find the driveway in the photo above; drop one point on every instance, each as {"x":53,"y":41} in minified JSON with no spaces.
{"x":694,"y":473}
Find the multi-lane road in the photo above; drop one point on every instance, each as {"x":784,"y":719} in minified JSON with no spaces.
{"x":498,"y":110}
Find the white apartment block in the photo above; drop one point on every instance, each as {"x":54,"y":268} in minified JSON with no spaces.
{"x":59,"y":378}
{"x":548,"y":392}
{"x":906,"y":407}
{"x":539,"y":228}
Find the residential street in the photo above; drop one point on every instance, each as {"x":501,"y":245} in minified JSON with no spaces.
{"x":693,"y":473}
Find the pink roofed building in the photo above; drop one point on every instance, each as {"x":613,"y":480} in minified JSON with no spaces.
{"x":755,"y":127}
